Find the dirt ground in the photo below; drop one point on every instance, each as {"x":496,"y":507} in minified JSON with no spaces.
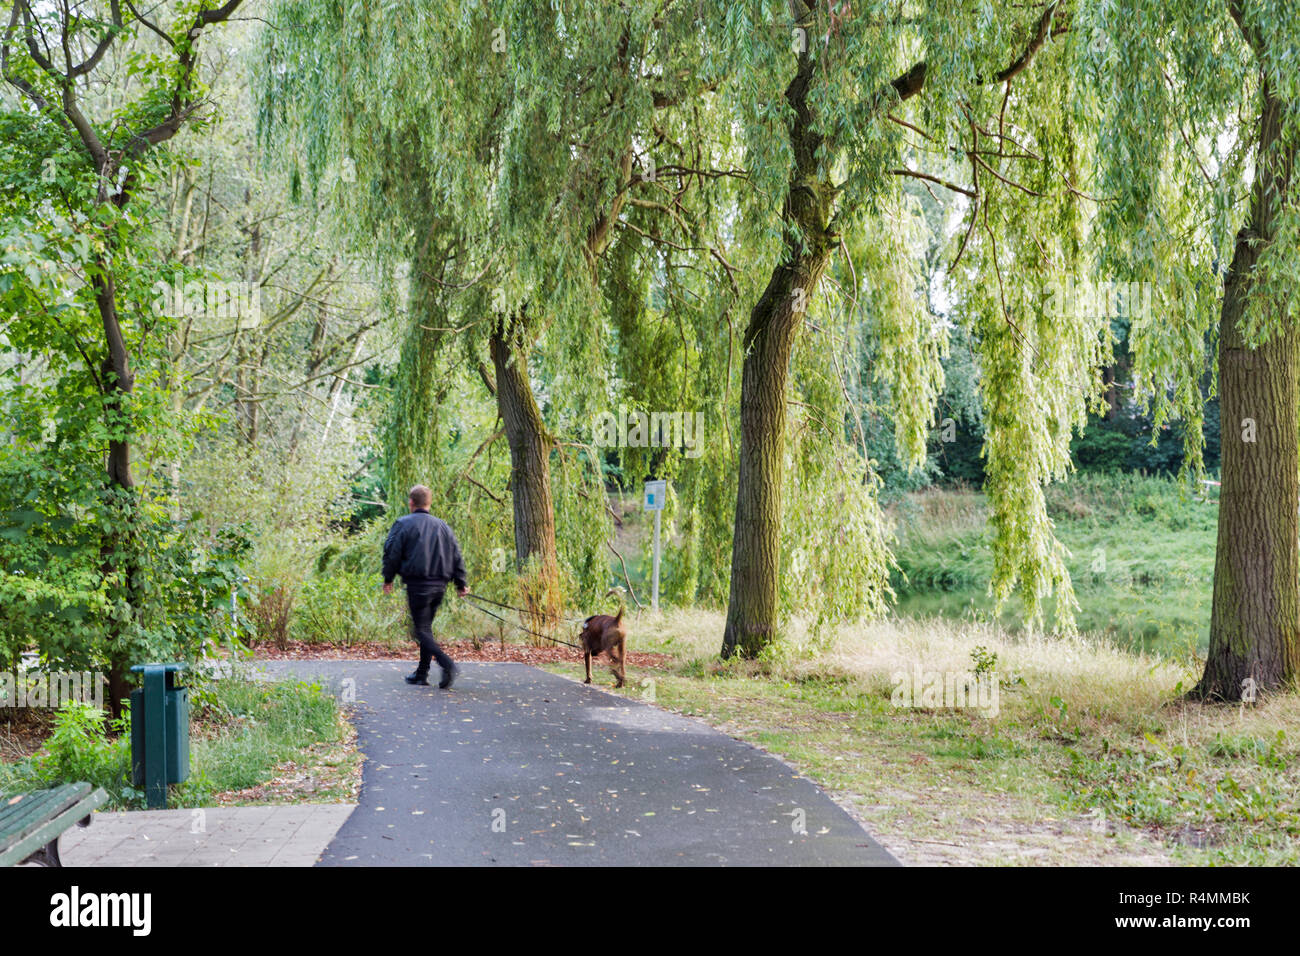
{"x":23,"y":731}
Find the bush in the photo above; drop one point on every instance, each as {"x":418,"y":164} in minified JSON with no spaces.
{"x":347,"y":609}
{"x":270,"y":614}
{"x":80,"y":749}
{"x":1101,"y":450}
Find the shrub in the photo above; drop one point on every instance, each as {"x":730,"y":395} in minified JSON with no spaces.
{"x":270,"y":613}
{"x":80,"y":749}
{"x":347,"y":609}
{"x":1102,"y":450}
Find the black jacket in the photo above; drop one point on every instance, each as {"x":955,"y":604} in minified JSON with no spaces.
{"x":421,"y":547}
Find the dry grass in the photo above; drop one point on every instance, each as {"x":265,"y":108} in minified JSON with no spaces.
{"x":1090,"y":674}
{"x":23,"y":732}
{"x":1087,"y":671}
{"x":1093,"y":756}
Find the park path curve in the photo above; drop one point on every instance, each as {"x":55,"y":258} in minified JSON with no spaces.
{"x":518,"y":766}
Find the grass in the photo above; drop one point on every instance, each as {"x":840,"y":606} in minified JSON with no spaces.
{"x":251,"y":742}
{"x":1141,"y":559}
{"x":259,"y":742}
{"x":1091,"y":758}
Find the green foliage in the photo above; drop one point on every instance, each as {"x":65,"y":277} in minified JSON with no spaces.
{"x":1176,"y":101}
{"x":911,"y":346}
{"x":58,"y":517}
{"x":343,"y":608}
{"x":582,"y":528}
{"x":1225,"y":786}
{"x":263,"y":724}
{"x":497,"y":218}
{"x":1101,"y":450}
{"x":75,"y":574}
{"x":835,"y":552}
{"x":83,"y":747}
{"x":1268,"y":754}
{"x":1140,"y":550}
{"x":984,"y":660}
{"x":241,"y":729}
{"x":494,"y":162}
{"x":245,"y":486}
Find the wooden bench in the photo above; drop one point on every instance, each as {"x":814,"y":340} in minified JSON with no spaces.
{"x":31,"y":823}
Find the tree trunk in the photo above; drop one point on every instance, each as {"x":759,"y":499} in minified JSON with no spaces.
{"x":530,"y":474}
{"x":756,"y":541}
{"x":119,"y":552}
{"x":254,"y":358}
{"x":1255,"y":618}
{"x":769,"y":339}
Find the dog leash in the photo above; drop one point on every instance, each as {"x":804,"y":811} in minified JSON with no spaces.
{"x":511,"y":607}
{"x":519,"y":627}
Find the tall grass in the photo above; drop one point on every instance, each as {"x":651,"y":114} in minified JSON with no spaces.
{"x":1091,"y":674}
{"x":252,"y":727}
{"x":1141,"y":556}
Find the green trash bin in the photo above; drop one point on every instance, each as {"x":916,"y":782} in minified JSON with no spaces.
{"x":160,"y":732}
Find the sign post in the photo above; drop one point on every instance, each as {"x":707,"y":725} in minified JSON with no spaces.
{"x":656,"y":492}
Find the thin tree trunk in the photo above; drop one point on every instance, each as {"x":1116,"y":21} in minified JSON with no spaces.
{"x":1255,"y":619}
{"x":258,"y":346}
{"x":769,"y":339}
{"x":336,"y":386}
{"x":530,"y":471}
{"x":316,"y":358}
{"x":119,"y":551}
{"x":116,"y":183}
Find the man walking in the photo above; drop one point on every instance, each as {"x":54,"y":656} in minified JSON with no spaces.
{"x":425,"y":552}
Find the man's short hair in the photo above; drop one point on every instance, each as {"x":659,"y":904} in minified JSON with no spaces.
{"x":421,"y":496}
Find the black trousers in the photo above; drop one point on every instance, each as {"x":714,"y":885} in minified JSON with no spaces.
{"x":423,"y":598}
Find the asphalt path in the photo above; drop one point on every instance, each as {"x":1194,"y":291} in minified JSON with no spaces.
{"x":518,"y":766}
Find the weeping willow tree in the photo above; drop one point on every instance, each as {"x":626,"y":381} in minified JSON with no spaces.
{"x":1199,"y":119}
{"x":511,"y":136}
{"x":864,"y":91}
{"x":371,"y":178}
{"x":672,"y":284}
{"x":513,"y":155}
{"x":359,"y":135}
{"x":413,"y":452}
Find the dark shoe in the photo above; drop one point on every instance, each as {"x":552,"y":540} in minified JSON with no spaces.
{"x":448,"y":677}
{"x":417,"y":678}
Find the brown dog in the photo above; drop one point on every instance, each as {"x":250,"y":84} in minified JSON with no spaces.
{"x":605,"y":632}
